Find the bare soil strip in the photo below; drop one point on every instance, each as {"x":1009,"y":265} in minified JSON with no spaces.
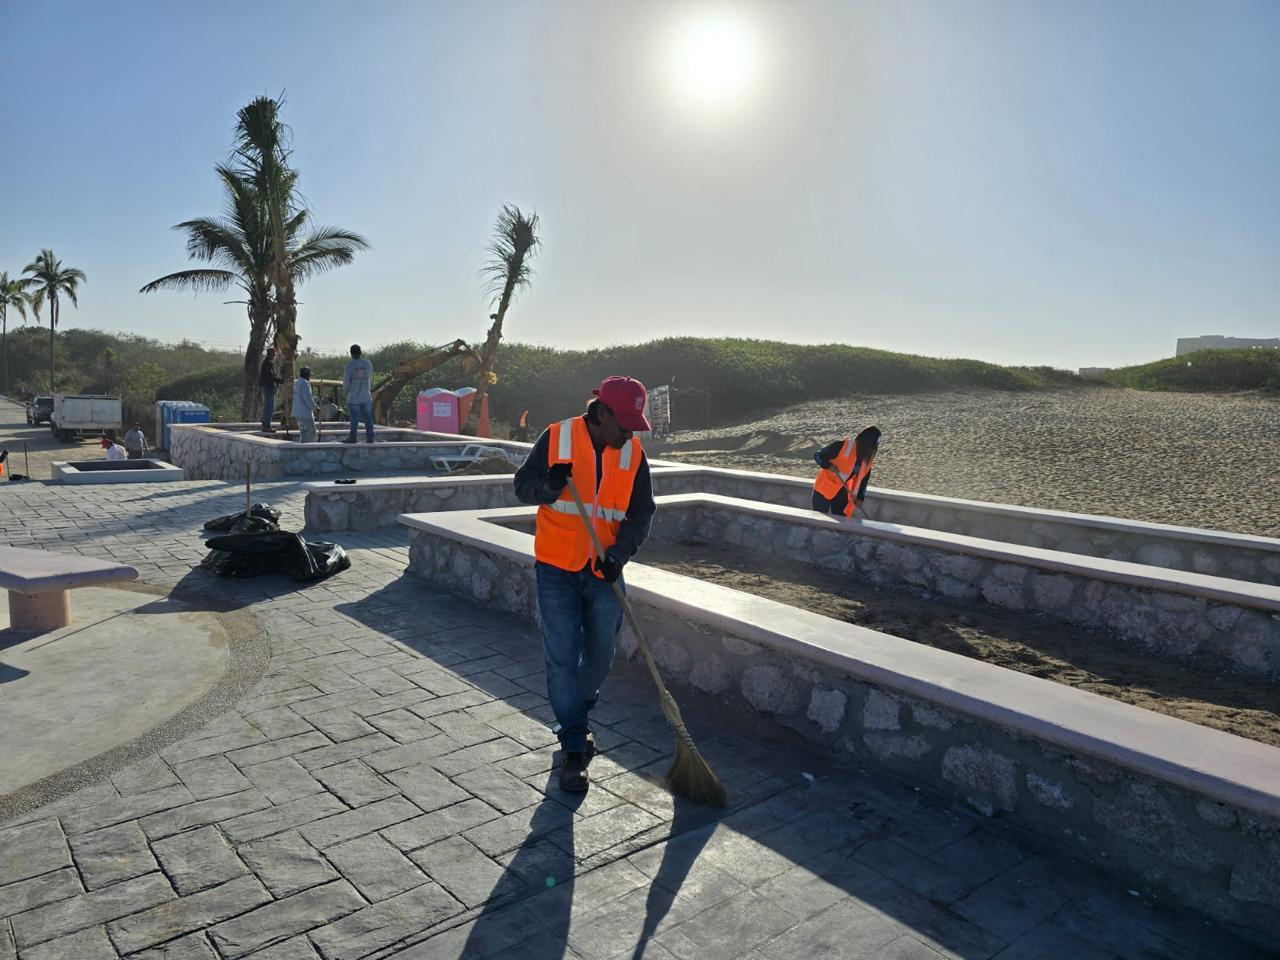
{"x":1090,"y":660}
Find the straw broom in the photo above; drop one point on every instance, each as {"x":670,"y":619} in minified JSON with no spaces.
{"x":690,"y":776}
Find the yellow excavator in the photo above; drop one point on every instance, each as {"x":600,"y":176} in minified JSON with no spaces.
{"x":388,"y":388}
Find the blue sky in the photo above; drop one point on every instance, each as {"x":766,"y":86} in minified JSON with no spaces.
{"x":1071,"y":183}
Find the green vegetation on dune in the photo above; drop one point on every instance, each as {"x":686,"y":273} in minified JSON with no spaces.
{"x":1210,"y":371}
{"x":723,"y":379}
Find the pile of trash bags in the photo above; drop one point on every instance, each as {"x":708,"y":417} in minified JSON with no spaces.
{"x":255,"y":545}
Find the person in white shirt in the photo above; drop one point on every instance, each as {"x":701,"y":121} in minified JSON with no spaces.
{"x":304,"y":406}
{"x":114,"y":450}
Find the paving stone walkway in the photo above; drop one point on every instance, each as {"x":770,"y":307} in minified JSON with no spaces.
{"x":387,"y":790}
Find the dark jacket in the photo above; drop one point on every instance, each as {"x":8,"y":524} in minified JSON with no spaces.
{"x":531,"y":488}
{"x":267,"y":375}
{"x":828,"y":453}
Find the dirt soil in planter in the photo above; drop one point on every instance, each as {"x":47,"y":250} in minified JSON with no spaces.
{"x":1092,"y":660}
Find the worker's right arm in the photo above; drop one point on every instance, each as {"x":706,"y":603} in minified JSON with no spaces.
{"x":827,"y":454}
{"x":531,"y":479}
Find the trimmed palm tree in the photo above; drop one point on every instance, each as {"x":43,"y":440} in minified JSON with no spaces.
{"x":51,"y":279}
{"x":515,"y":244}
{"x":240,"y":248}
{"x":262,"y":149}
{"x":13,"y":293}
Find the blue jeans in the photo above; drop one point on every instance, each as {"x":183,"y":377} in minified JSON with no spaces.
{"x":580,"y":618}
{"x":268,"y":406}
{"x":361,"y":411}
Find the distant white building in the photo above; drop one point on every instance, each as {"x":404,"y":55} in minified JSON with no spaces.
{"x":1192,"y":344}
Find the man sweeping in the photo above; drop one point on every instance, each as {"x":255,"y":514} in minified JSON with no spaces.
{"x":580,"y":614}
{"x":841,"y":484}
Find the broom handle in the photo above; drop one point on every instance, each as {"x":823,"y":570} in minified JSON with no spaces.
{"x":622,"y":599}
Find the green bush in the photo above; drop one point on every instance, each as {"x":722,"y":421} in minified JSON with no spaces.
{"x":219,"y":388}
{"x":1206,"y":370}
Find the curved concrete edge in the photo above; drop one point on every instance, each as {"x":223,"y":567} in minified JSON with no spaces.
{"x":1209,"y":762}
{"x":249,"y":655}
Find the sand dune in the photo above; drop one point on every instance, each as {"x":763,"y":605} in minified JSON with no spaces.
{"x":1195,"y":459}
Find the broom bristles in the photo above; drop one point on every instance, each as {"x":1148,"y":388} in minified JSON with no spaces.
{"x":691,"y":777}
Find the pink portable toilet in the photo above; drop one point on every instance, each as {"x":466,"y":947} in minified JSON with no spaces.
{"x":465,"y":397}
{"x":438,"y":410}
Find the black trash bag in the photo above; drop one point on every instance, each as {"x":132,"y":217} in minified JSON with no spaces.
{"x":259,"y":510}
{"x":241,"y":555}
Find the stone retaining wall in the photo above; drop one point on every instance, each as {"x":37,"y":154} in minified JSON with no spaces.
{"x":217,"y":453}
{"x":1169,"y":626}
{"x":1243,"y":558}
{"x":1256,"y":559}
{"x":357,"y":508}
{"x":1218,"y":857}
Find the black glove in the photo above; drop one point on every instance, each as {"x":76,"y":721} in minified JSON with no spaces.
{"x":609,"y":566}
{"x":558,"y":476}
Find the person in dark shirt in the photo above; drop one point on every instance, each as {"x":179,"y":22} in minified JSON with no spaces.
{"x":268,"y":380}
{"x":846,"y":469}
{"x":579,"y":612}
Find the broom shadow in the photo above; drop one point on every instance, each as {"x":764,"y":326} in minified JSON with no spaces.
{"x":689,"y":834}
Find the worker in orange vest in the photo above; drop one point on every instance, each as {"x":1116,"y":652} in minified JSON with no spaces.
{"x":841,"y":484}
{"x":579,"y":614}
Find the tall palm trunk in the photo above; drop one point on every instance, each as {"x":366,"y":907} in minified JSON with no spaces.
{"x":53,"y":325}
{"x":4,"y":345}
{"x":258,"y":316}
{"x":287,"y":338}
{"x":488,"y":359}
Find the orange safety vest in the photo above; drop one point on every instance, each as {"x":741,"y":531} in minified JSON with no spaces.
{"x":561,"y":540}
{"x":827,"y":484}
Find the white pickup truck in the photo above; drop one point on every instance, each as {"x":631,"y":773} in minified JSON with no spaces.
{"x":75,"y":413}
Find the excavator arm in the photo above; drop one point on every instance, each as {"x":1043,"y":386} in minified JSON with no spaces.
{"x":388,"y":388}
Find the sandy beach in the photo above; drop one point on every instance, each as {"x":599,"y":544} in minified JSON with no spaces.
{"x":1195,"y":459}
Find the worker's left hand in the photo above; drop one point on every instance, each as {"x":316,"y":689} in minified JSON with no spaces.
{"x":609,"y":566}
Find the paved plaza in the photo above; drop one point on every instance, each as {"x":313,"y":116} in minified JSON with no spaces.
{"x":383,"y":786}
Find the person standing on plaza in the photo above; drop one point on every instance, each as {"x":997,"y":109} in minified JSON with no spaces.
{"x":268,"y":380}
{"x":304,"y":407}
{"x":357,"y":379}
{"x":579,"y":613}
{"x":135,"y":442}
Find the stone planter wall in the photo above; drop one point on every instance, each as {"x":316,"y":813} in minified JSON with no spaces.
{"x":1214,"y":855}
{"x":1255,"y":559}
{"x":216,"y":453}
{"x":358,"y":508}
{"x":1168,"y":626}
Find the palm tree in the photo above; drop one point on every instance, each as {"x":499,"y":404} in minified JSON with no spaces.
{"x":13,"y":293}
{"x":240,"y":247}
{"x":262,"y":148}
{"x":51,"y":278}
{"x":515,"y":243}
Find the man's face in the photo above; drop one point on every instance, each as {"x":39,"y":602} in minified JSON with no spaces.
{"x":614,"y":435}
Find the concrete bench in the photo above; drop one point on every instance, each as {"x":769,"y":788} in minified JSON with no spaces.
{"x":39,"y":583}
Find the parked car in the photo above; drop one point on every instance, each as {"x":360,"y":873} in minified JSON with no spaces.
{"x":40,"y":410}
{"x":75,"y":413}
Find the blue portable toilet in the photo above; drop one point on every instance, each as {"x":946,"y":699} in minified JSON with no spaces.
{"x":177,"y":411}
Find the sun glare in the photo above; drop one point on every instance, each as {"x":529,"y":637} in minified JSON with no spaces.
{"x":713,"y":60}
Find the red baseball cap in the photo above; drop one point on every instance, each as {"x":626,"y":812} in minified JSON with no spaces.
{"x":626,"y":398}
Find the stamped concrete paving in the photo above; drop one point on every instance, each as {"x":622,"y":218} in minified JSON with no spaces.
{"x":386,"y":790}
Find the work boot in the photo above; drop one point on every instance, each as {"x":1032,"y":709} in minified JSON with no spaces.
{"x":573,"y":772}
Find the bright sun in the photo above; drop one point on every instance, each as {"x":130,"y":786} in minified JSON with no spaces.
{"x":713,"y":60}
